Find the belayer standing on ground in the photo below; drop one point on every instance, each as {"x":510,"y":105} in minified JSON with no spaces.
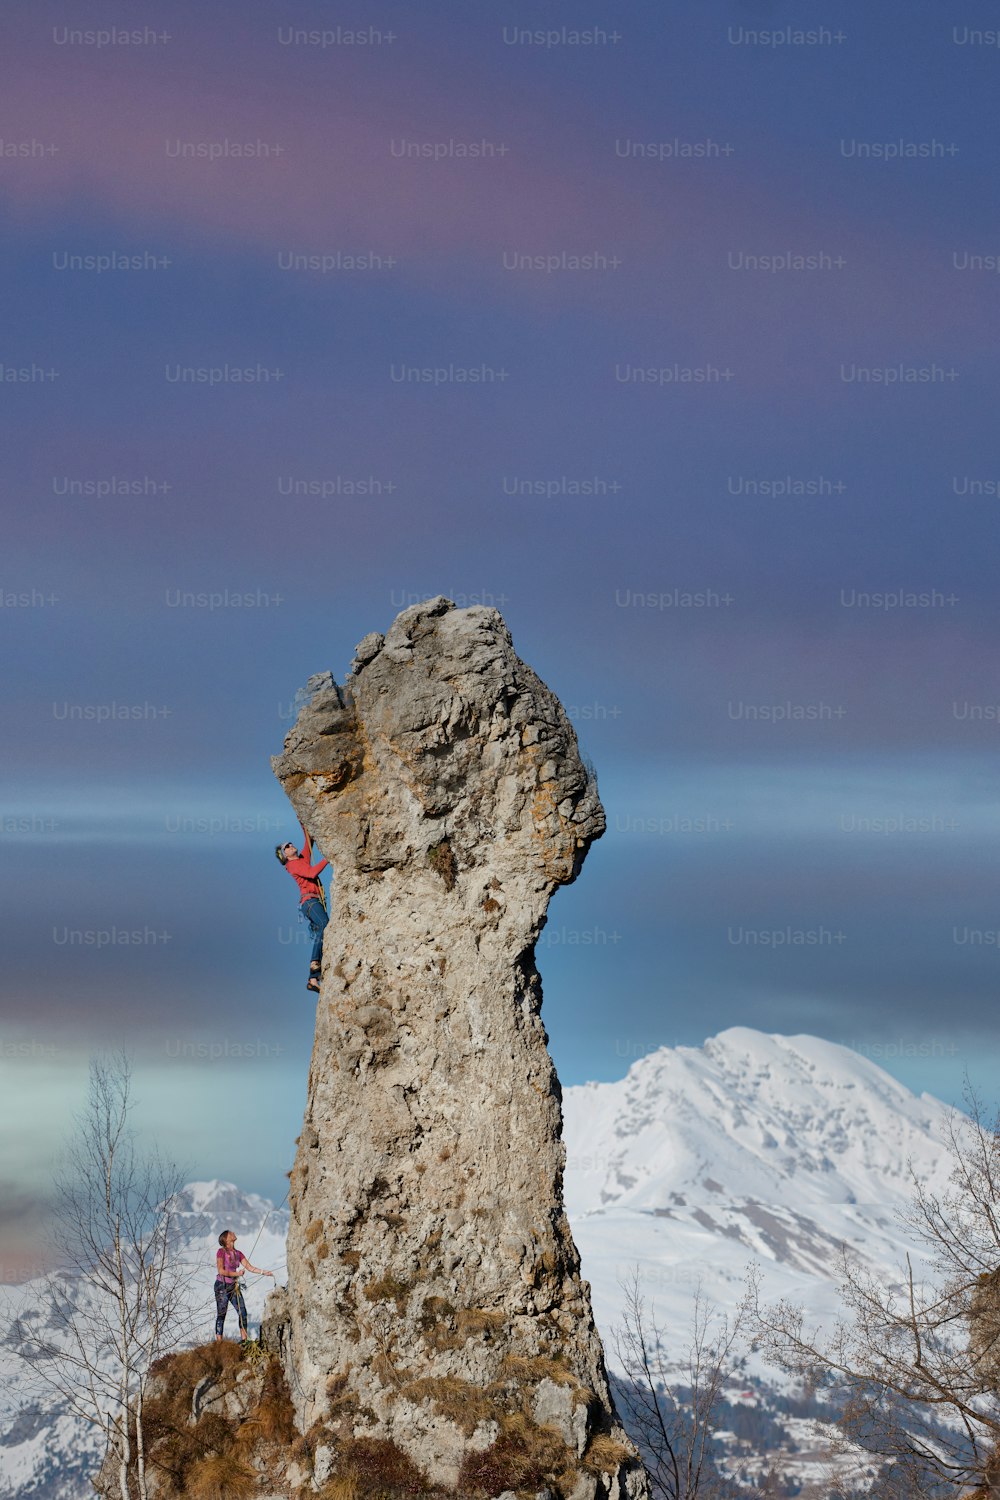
{"x":312,"y":899}
{"x":230,"y":1265}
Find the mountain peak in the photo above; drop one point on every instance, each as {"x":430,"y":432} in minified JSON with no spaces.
{"x":216,"y":1205}
{"x":753,"y":1111}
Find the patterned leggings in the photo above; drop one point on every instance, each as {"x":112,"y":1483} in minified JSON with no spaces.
{"x":227,"y":1292}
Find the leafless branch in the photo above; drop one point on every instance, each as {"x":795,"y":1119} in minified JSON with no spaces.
{"x":116,"y":1301}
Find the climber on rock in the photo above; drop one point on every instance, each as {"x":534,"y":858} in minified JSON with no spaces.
{"x":230,"y":1265}
{"x":312,"y":898}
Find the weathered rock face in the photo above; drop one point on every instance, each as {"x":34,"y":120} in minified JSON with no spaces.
{"x":984,"y":1330}
{"x":434,"y":1296}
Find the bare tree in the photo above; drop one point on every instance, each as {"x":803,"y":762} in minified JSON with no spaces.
{"x":675,"y":1412}
{"x":116,"y":1300}
{"x":918,"y":1357}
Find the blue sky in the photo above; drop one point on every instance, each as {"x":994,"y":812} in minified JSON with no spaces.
{"x":772,"y":617}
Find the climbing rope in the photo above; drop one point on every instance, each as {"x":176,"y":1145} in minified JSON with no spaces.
{"x":260,"y":1231}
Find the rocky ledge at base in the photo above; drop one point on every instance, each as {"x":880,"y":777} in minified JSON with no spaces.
{"x":435,"y":1335}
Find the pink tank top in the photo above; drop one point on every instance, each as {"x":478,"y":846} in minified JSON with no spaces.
{"x":228,"y":1262}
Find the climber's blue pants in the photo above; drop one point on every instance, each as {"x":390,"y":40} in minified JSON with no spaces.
{"x":315,"y":914}
{"x":227,"y":1292}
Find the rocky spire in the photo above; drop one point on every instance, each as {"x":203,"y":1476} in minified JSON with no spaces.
{"x":435,"y":1318}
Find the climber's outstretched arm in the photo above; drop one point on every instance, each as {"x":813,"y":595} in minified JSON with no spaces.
{"x":307,"y":854}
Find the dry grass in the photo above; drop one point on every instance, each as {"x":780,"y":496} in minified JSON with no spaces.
{"x":306,"y":1443}
{"x":313,"y":1230}
{"x":445,"y":1328}
{"x":273,"y":1418}
{"x":221,"y":1476}
{"x":605,"y":1454}
{"x":343,"y":1487}
{"x":435,"y":1323}
{"x":461,"y":1402}
{"x":389,"y":1288}
{"x":336,"y":1384}
{"x":531,"y":1371}
{"x":386,"y":1369}
{"x":473,"y":1320}
{"x":351,"y":1258}
{"x":434,"y":1310}
{"x":190,"y":1365}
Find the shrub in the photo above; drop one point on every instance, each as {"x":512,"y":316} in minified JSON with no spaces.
{"x":374,"y":1466}
{"x":441,"y":857}
{"x":523,"y":1457}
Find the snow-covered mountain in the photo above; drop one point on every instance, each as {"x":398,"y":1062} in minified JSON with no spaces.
{"x":767,"y":1149}
{"x":747,"y":1116}
{"x":753,"y":1148}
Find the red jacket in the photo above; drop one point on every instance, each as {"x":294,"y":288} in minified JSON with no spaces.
{"x":304,"y":872}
